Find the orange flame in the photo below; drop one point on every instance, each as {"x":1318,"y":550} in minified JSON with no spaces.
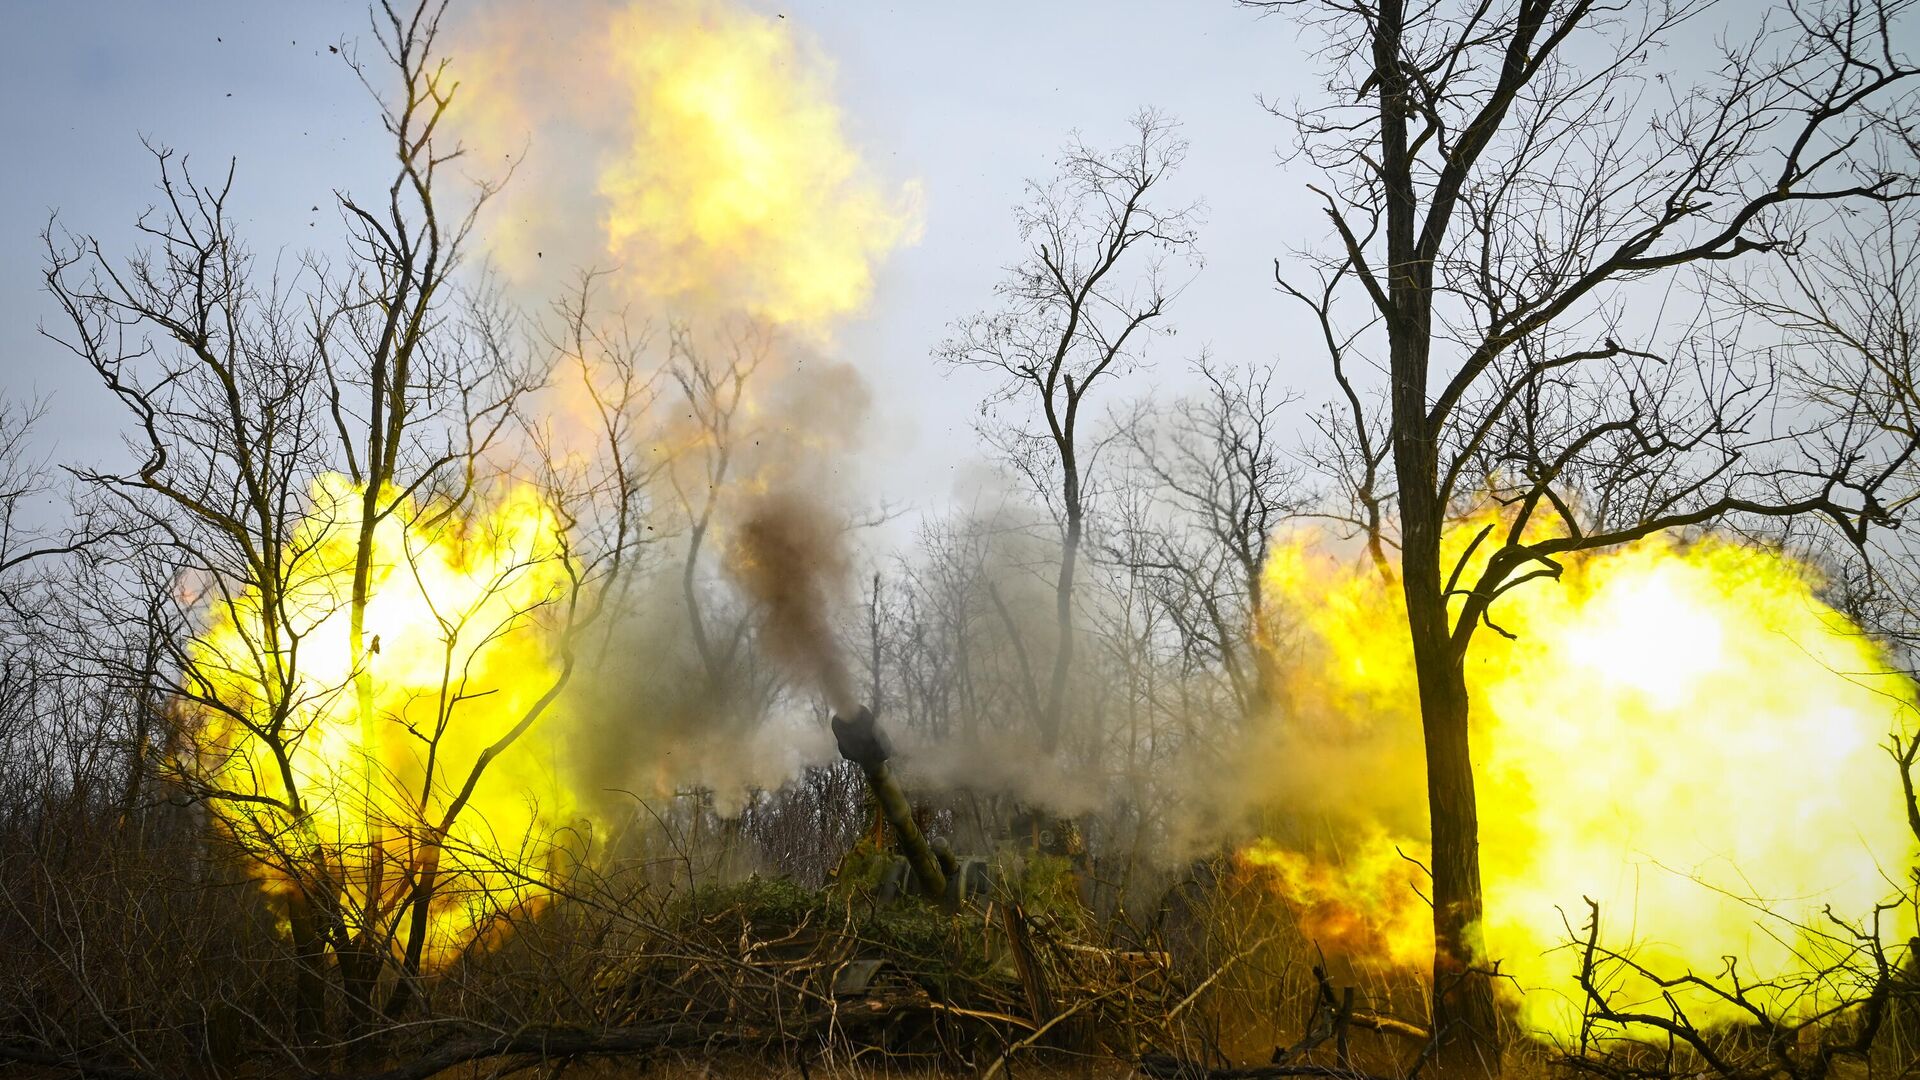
{"x":1683,"y":732}
{"x":723,"y":175}
{"x":459,"y":620}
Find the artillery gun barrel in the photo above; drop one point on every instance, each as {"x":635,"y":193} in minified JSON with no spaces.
{"x":862,"y":742}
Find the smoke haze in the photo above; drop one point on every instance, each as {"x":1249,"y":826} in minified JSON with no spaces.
{"x":788,"y":554}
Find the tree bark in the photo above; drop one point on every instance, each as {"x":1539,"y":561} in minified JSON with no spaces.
{"x":1464,"y":1016}
{"x":1465,"y":1022}
{"x":421,"y":901}
{"x":1465,"y":1019}
{"x":309,"y":977}
{"x":1054,"y":719}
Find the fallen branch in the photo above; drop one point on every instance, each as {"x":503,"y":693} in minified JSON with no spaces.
{"x":1000,"y":1063}
{"x":541,"y":1043}
{"x":97,"y":1070}
{"x":1168,"y":1067}
{"x":1387,"y":1025}
{"x":983,"y":1014}
{"x":547,"y":1043}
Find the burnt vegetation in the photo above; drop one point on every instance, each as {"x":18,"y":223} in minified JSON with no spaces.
{"x":1073,"y":669}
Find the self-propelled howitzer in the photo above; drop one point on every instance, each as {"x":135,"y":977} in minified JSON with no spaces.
{"x":862,"y":742}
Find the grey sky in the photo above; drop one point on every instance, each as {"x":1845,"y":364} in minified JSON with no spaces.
{"x":969,"y":99}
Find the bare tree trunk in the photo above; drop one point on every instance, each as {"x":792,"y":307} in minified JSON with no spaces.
{"x":1464,"y":1017}
{"x":1054,"y":718}
{"x":309,"y":978}
{"x":1083,"y":319}
{"x":422,"y":898}
{"x":359,"y":974}
{"x":359,"y":962}
{"x":1465,"y":1020}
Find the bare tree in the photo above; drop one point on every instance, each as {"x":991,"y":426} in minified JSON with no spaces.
{"x":1074,"y":315}
{"x":1847,"y":311}
{"x":252,"y":467}
{"x":1507,"y":185}
{"x":228,"y":427}
{"x":702,"y":462}
{"x":1225,"y":486}
{"x":28,"y":533}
